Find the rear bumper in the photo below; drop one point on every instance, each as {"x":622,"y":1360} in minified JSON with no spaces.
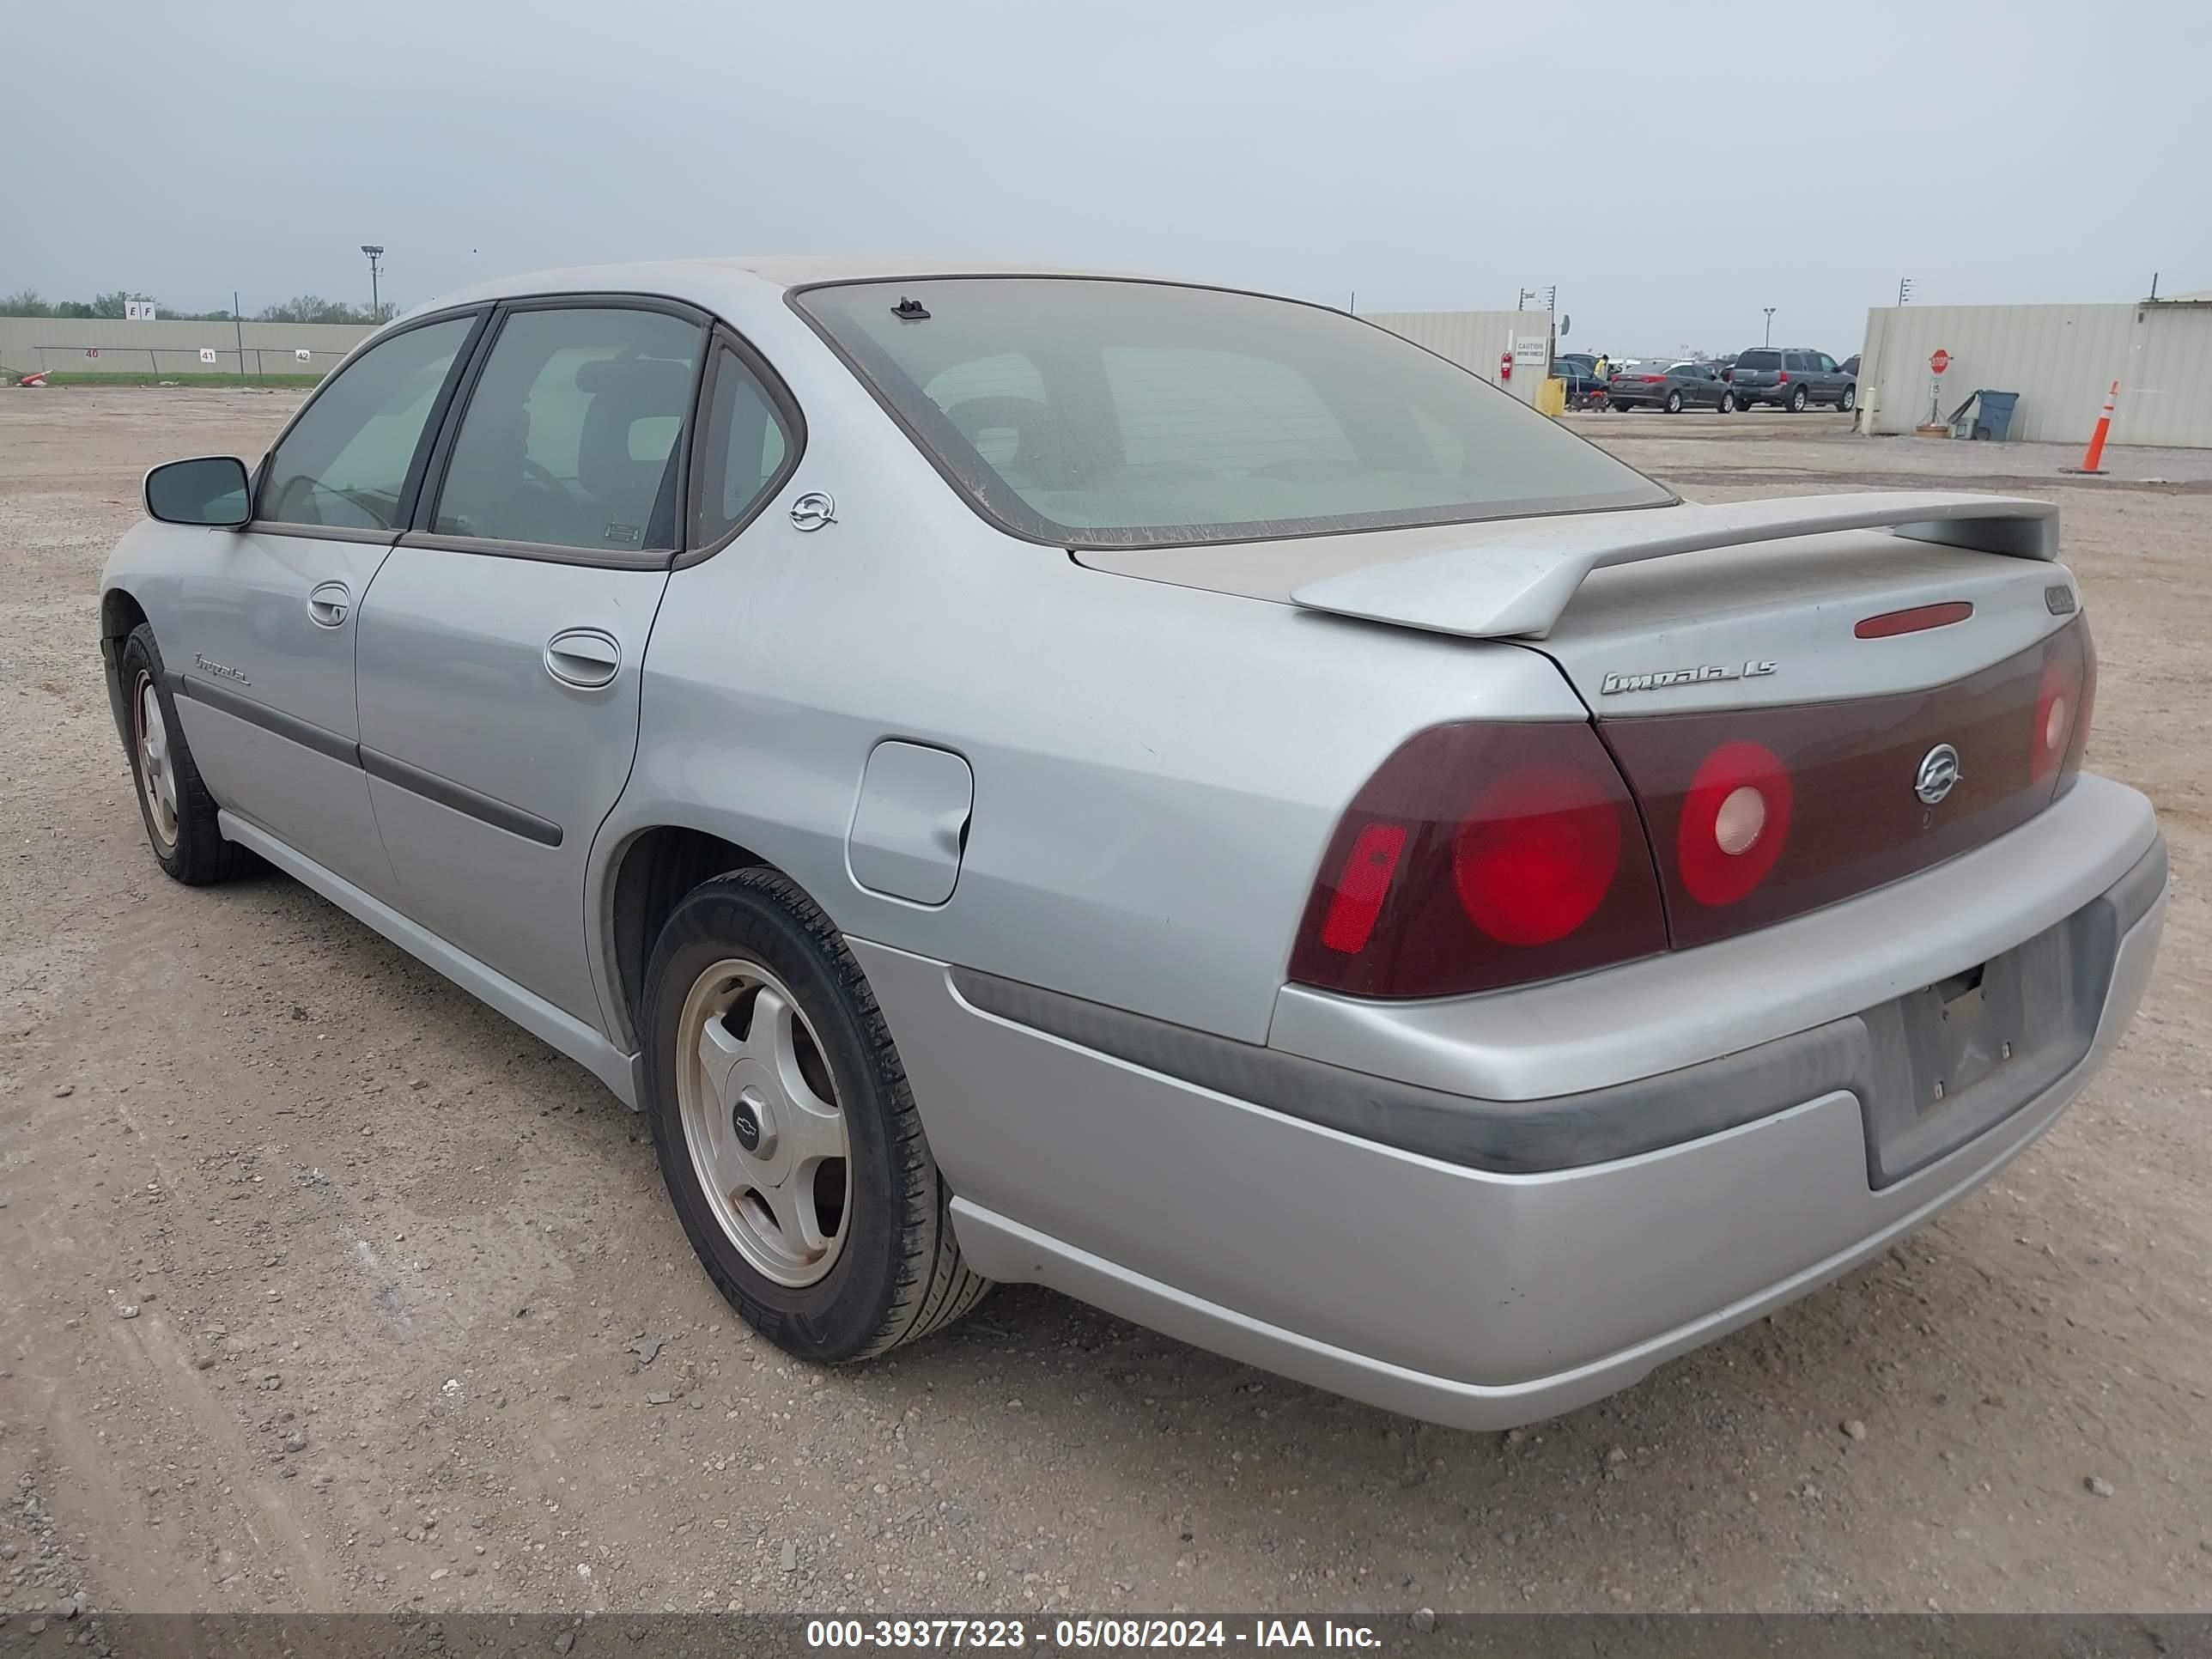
{"x":1479,"y":1297}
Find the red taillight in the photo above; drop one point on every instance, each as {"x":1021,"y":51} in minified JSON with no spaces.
{"x":1652,"y":379}
{"x":1921,"y":617}
{"x":1783,"y":379}
{"x":2063,"y":705}
{"x":1480,"y":856}
{"x":1361,"y":887}
{"x":1537,"y":854}
{"x":1735,"y":818}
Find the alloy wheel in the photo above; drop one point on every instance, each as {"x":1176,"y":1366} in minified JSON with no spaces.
{"x":761,"y":1120}
{"x":157,"y":777}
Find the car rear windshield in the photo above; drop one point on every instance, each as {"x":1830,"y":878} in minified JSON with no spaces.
{"x":1098,"y":413}
{"x":1760,"y":360}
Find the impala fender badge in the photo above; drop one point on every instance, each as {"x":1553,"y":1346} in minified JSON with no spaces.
{"x":813,"y":510}
{"x":1613,"y":684}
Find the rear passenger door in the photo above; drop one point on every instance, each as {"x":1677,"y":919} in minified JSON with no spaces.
{"x":500,"y":645}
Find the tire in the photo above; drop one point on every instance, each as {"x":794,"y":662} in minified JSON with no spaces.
{"x":1848,"y":401}
{"x":1674,"y":404}
{"x":173,"y":803}
{"x":888,"y":1269}
{"x":1797,"y":401}
{"x":1727,"y":404}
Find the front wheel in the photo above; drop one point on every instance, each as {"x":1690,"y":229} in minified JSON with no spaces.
{"x":1848,"y":401}
{"x":787,"y":1134}
{"x":179,"y":813}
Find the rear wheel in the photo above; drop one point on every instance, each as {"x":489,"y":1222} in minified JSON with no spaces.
{"x":1674,"y":403}
{"x":786,"y":1133}
{"x":1849,"y":400}
{"x":1797,"y":401}
{"x":179,"y":814}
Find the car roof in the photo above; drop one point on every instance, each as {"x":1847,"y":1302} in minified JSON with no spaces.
{"x":708,"y":282}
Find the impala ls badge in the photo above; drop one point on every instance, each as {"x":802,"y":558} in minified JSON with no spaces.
{"x":221,"y":670}
{"x":1615,"y":684}
{"x":1939,"y":775}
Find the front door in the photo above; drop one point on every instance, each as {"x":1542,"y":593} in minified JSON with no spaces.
{"x":263,"y":643}
{"x":502,"y":641}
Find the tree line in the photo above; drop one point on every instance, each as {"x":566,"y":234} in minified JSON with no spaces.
{"x":306,"y":308}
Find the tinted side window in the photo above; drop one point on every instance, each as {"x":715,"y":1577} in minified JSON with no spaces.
{"x":743,"y":445}
{"x":1825,"y":364}
{"x":345,"y":461}
{"x":1795,"y":360}
{"x":1760,"y":359}
{"x":573,"y":433}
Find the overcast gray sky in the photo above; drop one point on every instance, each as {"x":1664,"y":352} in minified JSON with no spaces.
{"x":1671,"y":167}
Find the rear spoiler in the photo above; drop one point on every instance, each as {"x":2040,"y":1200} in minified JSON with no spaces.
{"x":1519,"y":586}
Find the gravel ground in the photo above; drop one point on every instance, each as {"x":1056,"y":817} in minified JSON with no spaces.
{"x":326,"y":1288}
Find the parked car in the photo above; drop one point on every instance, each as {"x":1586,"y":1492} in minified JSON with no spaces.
{"x":1675,"y":388}
{"x":1108,"y":783}
{"x":1791,"y":378}
{"x":1585,"y":386}
{"x":1850,"y":366}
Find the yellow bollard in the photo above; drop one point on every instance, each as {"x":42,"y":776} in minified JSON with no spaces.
{"x":1552,"y":397}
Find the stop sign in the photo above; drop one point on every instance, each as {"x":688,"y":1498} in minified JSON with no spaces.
{"x":1941,"y":360}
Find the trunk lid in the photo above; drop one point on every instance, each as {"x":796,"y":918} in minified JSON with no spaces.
{"x":1886,"y":703}
{"x":1807,"y":698}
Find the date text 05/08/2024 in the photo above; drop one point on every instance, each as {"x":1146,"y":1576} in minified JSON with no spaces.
{"x":1087,"y":1633}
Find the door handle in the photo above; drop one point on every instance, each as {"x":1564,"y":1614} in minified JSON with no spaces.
{"x":583,"y":657}
{"x":328,"y":603}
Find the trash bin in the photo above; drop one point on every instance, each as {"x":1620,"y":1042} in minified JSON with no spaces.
{"x":1994,"y":418}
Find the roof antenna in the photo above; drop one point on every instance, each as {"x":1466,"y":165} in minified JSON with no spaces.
{"x":909,"y":311}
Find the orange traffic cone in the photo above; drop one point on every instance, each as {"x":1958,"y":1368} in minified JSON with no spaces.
{"x":2095,"y":452}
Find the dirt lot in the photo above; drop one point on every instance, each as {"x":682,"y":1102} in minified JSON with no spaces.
{"x":399,"y":1271}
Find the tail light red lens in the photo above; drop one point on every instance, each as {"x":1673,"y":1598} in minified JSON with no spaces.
{"x":1652,"y":380}
{"x":1782,"y":379}
{"x":1735,"y":818}
{"x":1362,"y":885}
{"x":1538,"y":853}
{"x":2062,"y":707}
{"x":1480,"y":856}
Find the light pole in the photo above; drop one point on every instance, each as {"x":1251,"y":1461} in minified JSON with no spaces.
{"x":375,"y":304}
{"x":1769,"y":310}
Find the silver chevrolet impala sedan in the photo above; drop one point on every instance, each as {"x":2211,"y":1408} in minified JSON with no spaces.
{"x":1178,"y":795}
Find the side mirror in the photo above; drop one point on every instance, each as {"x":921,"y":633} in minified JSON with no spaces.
{"x":212,"y":491}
